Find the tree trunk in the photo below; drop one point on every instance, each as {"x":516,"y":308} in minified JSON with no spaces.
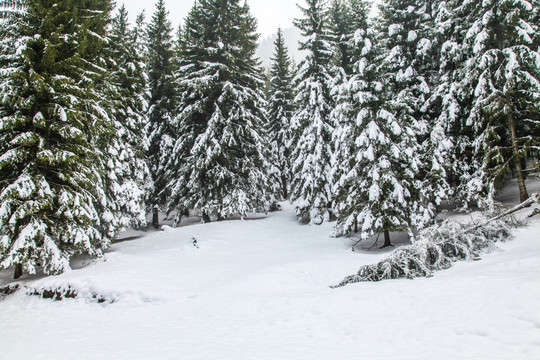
{"x":386,"y":239}
{"x":205,"y":217}
{"x":155,"y":217}
{"x":523,"y":195}
{"x":18,"y":271}
{"x":356,"y":226}
{"x":284,"y":187}
{"x":220,"y":217}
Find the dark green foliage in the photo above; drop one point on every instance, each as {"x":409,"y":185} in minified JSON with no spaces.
{"x":52,"y":188}
{"x":312,"y":123}
{"x":161,"y":97}
{"x":503,"y":79}
{"x":129,"y":177}
{"x":280,"y":111}
{"x":346,"y":17}
{"x":219,"y":162}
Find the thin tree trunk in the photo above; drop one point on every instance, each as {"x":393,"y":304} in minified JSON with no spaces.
{"x":535,"y":198}
{"x":155,"y":217}
{"x":18,"y":271}
{"x":523,"y":195}
{"x":205,"y":217}
{"x":284,"y":187}
{"x":386,"y":239}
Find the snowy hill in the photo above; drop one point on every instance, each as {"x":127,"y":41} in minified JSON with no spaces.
{"x":259,"y":289}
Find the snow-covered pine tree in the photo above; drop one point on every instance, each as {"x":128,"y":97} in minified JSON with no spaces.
{"x":129,"y":178}
{"x":280,"y":111}
{"x":375,"y":173}
{"x":406,"y":56}
{"x":161,"y":101}
{"x":503,"y":79}
{"x":449,"y":104}
{"x":51,"y":175}
{"x":310,"y":190}
{"x":346,"y":17}
{"x":363,"y":92}
{"x":437,"y":143}
{"x":220,"y":161}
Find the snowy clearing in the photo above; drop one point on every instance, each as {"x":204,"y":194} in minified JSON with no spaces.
{"x":259,"y":289}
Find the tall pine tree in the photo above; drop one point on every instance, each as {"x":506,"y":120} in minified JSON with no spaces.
{"x":503,"y":80}
{"x":312,"y":123}
{"x":219,"y":165}
{"x":52,"y":182}
{"x":280,"y":111}
{"x":406,"y":64}
{"x":161,"y":100}
{"x":129,"y":176}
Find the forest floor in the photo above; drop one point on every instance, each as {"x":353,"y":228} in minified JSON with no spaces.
{"x":259,"y":289}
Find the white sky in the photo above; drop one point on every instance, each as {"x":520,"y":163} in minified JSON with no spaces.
{"x":269,"y":13}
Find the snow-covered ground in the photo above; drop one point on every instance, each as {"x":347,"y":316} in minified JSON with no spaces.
{"x":259,"y":289}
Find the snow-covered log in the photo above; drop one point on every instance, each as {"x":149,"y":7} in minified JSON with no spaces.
{"x":440,"y":246}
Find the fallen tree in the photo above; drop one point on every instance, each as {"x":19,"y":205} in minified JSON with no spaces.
{"x":440,"y":246}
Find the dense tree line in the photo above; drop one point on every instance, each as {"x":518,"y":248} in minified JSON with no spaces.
{"x":387,"y":117}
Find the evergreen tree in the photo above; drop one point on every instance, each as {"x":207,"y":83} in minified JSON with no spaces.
{"x":311,"y":121}
{"x":280,"y":111}
{"x":161,"y":100}
{"x":346,"y":17}
{"x":449,"y":105}
{"x":129,"y":177}
{"x":406,"y":65}
{"x":375,"y":166}
{"x":219,"y":164}
{"x":503,"y":80}
{"x":52,"y":187}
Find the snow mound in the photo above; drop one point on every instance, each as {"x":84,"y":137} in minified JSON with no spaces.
{"x":84,"y":290}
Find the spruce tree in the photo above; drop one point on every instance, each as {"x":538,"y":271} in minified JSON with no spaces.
{"x":346,"y":17}
{"x":311,"y":121}
{"x":52,"y":187}
{"x":449,"y":105}
{"x":161,"y":98}
{"x":503,"y":80}
{"x":129,"y":177}
{"x":375,"y":166}
{"x":407,"y":61}
{"x":280,"y":111}
{"x":219,"y":164}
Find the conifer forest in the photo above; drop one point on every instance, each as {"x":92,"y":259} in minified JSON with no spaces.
{"x":393,"y":115}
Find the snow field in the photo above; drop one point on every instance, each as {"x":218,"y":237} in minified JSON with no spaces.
{"x":259,"y":289}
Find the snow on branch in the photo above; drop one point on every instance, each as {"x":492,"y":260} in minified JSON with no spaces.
{"x":439,"y":247}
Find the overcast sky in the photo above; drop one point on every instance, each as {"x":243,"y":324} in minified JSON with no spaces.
{"x":269,"y":13}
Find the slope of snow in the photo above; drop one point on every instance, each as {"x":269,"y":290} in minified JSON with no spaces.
{"x":259,"y":289}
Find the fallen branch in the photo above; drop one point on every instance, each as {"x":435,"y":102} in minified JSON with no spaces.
{"x":439,"y":247}
{"x":534,"y":198}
